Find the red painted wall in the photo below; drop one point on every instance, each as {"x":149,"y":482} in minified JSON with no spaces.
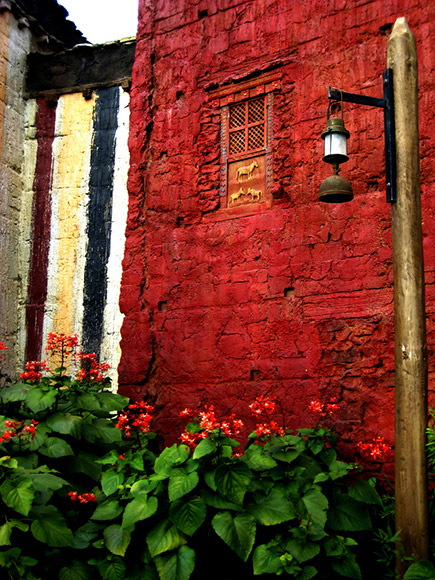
{"x":295,"y":300}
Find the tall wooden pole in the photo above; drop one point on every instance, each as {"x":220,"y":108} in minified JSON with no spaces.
{"x":409,"y":312}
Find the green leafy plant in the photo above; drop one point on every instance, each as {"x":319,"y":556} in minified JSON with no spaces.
{"x":85,"y":494}
{"x":55,"y":429}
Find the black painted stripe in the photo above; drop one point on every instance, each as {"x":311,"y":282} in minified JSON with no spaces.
{"x":105,"y":123}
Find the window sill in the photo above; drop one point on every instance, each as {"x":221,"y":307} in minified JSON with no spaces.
{"x":229,"y":213}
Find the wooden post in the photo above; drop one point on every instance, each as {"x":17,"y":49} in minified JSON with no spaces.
{"x":409,"y":311}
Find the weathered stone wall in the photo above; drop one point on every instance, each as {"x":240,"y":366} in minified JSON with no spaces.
{"x":15,"y":43}
{"x":294,"y":299}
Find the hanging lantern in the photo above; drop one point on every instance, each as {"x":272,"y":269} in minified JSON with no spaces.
{"x":335,"y":189}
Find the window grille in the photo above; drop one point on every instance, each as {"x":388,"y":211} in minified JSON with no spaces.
{"x":247,"y":127}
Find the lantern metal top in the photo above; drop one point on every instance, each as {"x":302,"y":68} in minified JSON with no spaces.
{"x":335,"y":125}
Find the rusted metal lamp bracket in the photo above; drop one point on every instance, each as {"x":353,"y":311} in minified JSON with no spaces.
{"x":387,"y":103}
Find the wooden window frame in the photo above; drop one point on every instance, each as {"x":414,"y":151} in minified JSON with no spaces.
{"x":246,"y":127}
{"x":262,"y":86}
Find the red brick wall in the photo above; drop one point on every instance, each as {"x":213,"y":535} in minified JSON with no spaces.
{"x":295,"y":300}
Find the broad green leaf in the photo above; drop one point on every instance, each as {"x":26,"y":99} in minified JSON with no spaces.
{"x":170,"y":457}
{"x":147,"y":572}
{"x":116,"y":539}
{"x":176,"y":566}
{"x":164,"y":537}
{"x":338,"y":469}
{"x":257,"y":458}
{"x":101,"y":430}
{"x":316,"y":505}
{"x":217,"y":501}
{"x":287,"y":456}
{"x":303,"y":551}
{"x":5,"y":534}
{"x":112,"y":570}
{"x":143,"y":486}
{"x":189,"y":515}
{"x":348,"y":514}
{"x":204,"y":447}
{"x":40,"y":436}
{"x":237,"y":532}
{"x":139,"y":509}
{"x":347,"y":567}
{"x":88,"y":402}
{"x":422,"y":570}
{"x":85,"y":463}
{"x":110,"y":458}
{"x":110,"y":482}
{"x":39,"y":400}
{"x":271,"y":509}
{"x":18,"y":494}
{"x":56,"y":447}
{"x":316,"y":444}
{"x":85,"y":535}
{"x":111,"y":401}
{"x":22,"y":526}
{"x":307,"y":573}
{"x":16,"y":392}
{"x":77,"y":571}
{"x":363,"y":491}
{"x":311,"y":466}
{"x":265,"y":561}
{"x":232,"y":481}
{"x":46,"y":481}
{"x":108,"y":510}
{"x":335,"y":546}
{"x":209,"y":478}
{"x":50,"y":527}
{"x":181,"y":482}
{"x":8,"y":461}
{"x":66,"y":424}
{"x":320,"y":477}
{"x":136,"y":462}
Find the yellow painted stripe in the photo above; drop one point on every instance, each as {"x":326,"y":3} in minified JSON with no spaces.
{"x":72,"y":186}
{"x":4,"y":53}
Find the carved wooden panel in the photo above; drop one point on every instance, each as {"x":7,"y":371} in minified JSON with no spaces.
{"x":247,"y":181}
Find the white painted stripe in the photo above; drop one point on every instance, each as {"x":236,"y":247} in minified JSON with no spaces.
{"x":110,"y":348}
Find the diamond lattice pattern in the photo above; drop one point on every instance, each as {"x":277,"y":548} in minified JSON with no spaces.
{"x":247,"y":127}
{"x":237,"y":115}
{"x":237,"y":142}
{"x":256,"y":137}
{"x":256,"y":111}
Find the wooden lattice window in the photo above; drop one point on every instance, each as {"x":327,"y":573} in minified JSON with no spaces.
{"x":246,"y":136}
{"x":247,"y":127}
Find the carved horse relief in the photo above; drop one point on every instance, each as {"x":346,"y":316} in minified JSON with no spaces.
{"x":247,"y":170}
{"x":246,"y":182}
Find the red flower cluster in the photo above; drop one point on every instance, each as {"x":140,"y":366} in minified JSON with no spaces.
{"x":264,"y":406}
{"x":324,"y":409}
{"x":62,"y":344}
{"x":92,"y":370}
{"x":207,"y":424}
{"x":34,"y":370}
{"x":19,"y":429}
{"x":375,"y":448}
{"x":137,"y":417}
{"x":83,"y":498}
{"x":2,"y":347}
